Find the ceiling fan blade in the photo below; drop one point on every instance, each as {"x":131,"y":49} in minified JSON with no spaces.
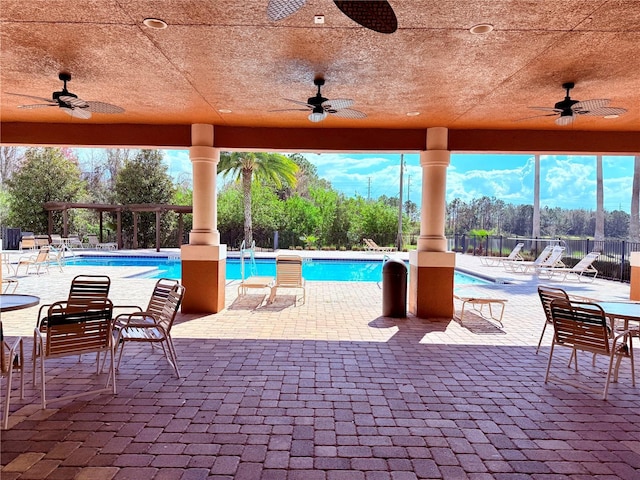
{"x":536,"y":116}
{"x":279,"y":9}
{"x":38,"y":105}
{"x":337,"y":103}
{"x":546,"y":109}
{"x":41,"y":99}
{"x":376,"y":15}
{"x":588,"y":105}
{"x":349,"y":113}
{"x":605,"y":111}
{"x":77,"y":112}
{"x":73,"y":101}
{"x":564,"y":121}
{"x":298,"y":102}
{"x":290,"y":110}
{"x":101,"y":107}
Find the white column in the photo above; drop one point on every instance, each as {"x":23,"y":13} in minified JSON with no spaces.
{"x":434,"y":162}
{"x":204,"y":159}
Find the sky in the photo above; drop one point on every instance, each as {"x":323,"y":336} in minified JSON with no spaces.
{"x":566,"y":181}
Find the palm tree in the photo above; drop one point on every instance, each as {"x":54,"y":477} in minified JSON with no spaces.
{"x":535,"y":231}
{"x":599,"y":233}
{"x":267,"y":167}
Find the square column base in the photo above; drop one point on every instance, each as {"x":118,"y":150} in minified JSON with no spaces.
{"x":203,"y":276}
{"x":431,"y":284}
{"x":634,"y":261}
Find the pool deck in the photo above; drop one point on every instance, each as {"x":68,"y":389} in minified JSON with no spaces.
{"x":328,"y":390}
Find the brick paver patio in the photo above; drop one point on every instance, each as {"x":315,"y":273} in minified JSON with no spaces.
{"x":327,"y":390}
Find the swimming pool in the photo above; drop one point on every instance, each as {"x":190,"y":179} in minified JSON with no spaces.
{"x":312,"y":269}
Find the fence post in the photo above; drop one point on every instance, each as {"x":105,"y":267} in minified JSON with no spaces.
{"x":500,"y":244}
{"x":622,"y":256}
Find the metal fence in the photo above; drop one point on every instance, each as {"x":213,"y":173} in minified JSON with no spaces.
{"x":613,"y":263}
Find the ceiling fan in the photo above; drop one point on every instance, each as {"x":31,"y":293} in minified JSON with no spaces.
{"x":70,"y":103}
{"x":568,"y":108}
{"x":376,"y":15}
{"x":322,"y":107}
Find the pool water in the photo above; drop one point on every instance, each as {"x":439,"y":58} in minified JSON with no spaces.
{"x":312,"y":269}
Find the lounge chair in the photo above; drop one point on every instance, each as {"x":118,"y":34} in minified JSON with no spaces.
{"x":584,"y":269}
{"x":372,"y":246}
{"x":69,"y":333}
{"x":40,"y":260}
{"x":56,"y":241}
{"x":514,"y":256}
{"x":28,"y":242}
{"x":9,"y":283}
{"x":152,"y":325}
{"x":95,"y":243}
{"x":552,"y":260}
{"x":518,"y":266}
{"x":478,"y":302}
{"x":583,"y":326}
{"x":288,"y":275}
{"x":11,"y":358}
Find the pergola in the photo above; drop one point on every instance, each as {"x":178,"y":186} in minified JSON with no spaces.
{"x":457,"y":76}
{"x":159,"y":209}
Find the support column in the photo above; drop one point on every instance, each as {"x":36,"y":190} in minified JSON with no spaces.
{"x":431,"y":266}
{"x":204,"y":259}
{"x":634,"y":287}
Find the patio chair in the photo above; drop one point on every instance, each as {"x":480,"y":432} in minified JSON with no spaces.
{"x":516,"y":266}
{"x":583,"y":326}
{"x":152,"y":325}
{"x":11,"y":358}
{"x":96,"y":244}
{"x":67,"y":333}
{"x":9,"y":283}
{"x":547,"y":295}
{"x":73,"y":241}
{"x":28,"y":242}
{"x":56,"y":241}
{"x":40,"y":260}
{"x":514,"y":256}
{"x":288,"y":275}
{"x":584,"y":269}
{"x":552,"y":260}
{"x":372,"y":246}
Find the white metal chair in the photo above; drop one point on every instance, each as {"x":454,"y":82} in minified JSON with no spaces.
{"x":11,"y":359}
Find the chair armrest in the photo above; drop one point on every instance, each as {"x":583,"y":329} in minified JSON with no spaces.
{"x":137,"y":319}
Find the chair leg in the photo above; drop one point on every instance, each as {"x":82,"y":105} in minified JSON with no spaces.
{"x":174,"y":356}
{"x":541,"y":336}
{"x":43,"y":398}
{"x":7,"y":399}
{"x":546,"y":377}
{"x":605,"y":393}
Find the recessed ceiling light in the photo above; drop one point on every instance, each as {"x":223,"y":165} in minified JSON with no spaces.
{"x":318,"y":19}
{"x":413,"y":114}
{"x":481,"y":28}
{"x":224,"y":110}
{"x":611,"y":116}
{"x":155,"y":23}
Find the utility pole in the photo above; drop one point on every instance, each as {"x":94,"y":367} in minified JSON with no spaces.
{"x":399,"y":239}
{"x":409,"y":196}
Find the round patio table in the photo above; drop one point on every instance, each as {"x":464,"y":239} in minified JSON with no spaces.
{"x":12,"y":301}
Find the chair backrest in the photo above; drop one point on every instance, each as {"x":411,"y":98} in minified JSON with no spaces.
{"x":41,"y":240}
{"x":88,"y":330}
{"x":547,"y":295}
{"x":554,"y":257}
{"x":27,"y":242}
{"x":165,"y":302}
{"x":544,"y":254}
{"x":92,"y":240}
{"x":86,"y":289}
{"x":586,"y":261}
{"x":43,"y":254}
{"x":580,"y":325}
{"x":289,"y":270}
{"x":515,"y":253}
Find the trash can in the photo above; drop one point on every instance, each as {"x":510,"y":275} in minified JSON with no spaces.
{"x":394,"y":289}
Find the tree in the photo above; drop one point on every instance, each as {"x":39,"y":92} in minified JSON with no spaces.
{"x":10,"y":160}
{"x":599,"y":231}
{"x":145,"y":180}
{"x":267,"y":167}
{"x":46,"y":176}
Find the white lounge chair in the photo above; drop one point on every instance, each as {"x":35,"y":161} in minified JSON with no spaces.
{"x":584,"y":269}
{"x":372,"y":246}
{"x":514,"y":256}
{"x":95,"y":243}
{"x":551,"y":260}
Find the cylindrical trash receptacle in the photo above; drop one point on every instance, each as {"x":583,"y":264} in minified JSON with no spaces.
{"x":394,"y":288}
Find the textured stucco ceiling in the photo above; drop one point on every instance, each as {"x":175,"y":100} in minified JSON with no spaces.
{"x":226,"y":55}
